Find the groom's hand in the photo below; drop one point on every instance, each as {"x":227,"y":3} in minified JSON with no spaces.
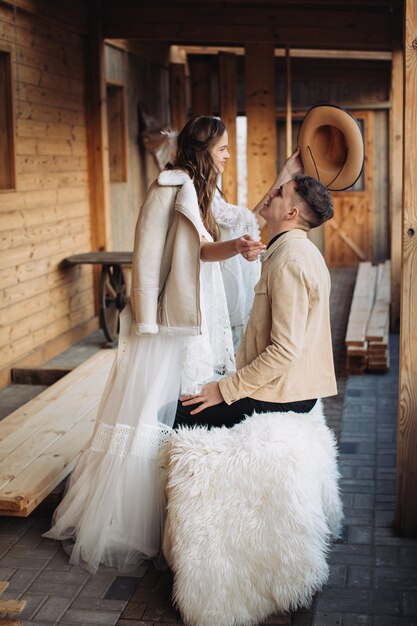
{"x":210,"y":395}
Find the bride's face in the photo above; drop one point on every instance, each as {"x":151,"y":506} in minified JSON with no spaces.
{"x":220,"y":152}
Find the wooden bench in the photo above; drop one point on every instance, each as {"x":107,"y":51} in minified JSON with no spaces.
{"x":368,"y":326}
{"x":41,"y":441}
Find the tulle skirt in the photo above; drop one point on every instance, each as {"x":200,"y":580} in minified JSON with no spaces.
{"x":113,"y":509}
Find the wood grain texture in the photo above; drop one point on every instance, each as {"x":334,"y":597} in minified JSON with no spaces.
{"x":406,"y":506}
{"x":225,"y":23}
{"x":228,"y":113}
{"x":177,"y":95}
{"x":47,"y":217}
{"x":362,"y":303}
{"x":396,"y":178}
{"x":41,"y":441}
{"x":348,"y":237}
{"x":201,"y":71}
{"x":260,"y":111}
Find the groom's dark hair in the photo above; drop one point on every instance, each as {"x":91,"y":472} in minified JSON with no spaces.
{"x":318,"y":205}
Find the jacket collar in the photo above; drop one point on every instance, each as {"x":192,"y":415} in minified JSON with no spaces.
{"x":173,"y":177}
{"x":295,"y":233}
{"x":186,"y":201}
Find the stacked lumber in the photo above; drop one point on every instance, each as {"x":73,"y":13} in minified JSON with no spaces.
{"x":10,"y":606}
{"x":360,"y":312}
{"x":377,"y":332}
{"x":368,"y":326}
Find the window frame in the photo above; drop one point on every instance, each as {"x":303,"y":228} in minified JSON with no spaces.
{"x":120,"y":87}
{"x":8,"y":53}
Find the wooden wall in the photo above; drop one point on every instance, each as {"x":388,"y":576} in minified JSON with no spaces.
{"x":45,"y":307}
{"x":146,"y":86}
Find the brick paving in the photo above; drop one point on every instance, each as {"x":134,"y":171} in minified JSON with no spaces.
{"x":373,"y":578}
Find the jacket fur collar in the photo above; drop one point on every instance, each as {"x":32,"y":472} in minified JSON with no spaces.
{"x":186,"y":200}
{"x":173,"y":177}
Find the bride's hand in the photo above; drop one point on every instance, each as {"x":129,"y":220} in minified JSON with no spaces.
{"x":249,"y":248}
{"x":293,"y":165}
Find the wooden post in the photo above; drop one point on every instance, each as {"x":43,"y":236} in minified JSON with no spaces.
{"x":396,"y":178}
{"x":228,"y":113}
{"x":406,"y":506}
{"x":260,"y":112}
{"x":177,"y":95}
{"x":98,"y":150}
{"x":288,"y":105}
{"x":201,"y":70}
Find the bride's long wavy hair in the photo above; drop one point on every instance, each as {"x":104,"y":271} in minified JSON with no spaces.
{"x":193,"y":155}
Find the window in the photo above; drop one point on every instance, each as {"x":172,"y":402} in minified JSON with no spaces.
{"x":116,"y":133}
{"x":7,"y":148}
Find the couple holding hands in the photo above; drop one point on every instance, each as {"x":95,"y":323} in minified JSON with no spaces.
{"x":175,"y":363}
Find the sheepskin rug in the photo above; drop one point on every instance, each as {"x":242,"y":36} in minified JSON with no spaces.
{"x":250,"y":516}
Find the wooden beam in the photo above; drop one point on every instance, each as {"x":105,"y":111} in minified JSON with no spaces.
{"x":177,"y":95}
{"x":396,"y":179}
{"x":228,"y":113}
{"x":97,"y":138}
{"x":153,"y":52}
{"x":300,"y":53}
{"x":288,"y":106}
{"x":406,"y":505}
{"x":72,"y":16}
{"x":260,"y":112}
{"x":201,"y":70}
{"x":217,"y":23}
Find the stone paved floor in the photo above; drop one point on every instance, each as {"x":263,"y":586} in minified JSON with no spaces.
{"x":373,"y":577}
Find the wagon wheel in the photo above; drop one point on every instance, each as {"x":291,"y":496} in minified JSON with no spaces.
{"x":112,"y":297}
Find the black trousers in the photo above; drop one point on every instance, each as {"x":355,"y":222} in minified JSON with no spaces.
{"x":230,"y":414}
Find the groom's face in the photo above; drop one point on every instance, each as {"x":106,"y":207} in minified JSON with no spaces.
{"x":277,"y":205}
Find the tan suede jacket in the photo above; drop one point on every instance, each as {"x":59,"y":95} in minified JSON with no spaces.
{"x":286,"y":354}
{"x":165,"y":294}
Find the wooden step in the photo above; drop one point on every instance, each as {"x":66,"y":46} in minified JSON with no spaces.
{"x":41,"y":441}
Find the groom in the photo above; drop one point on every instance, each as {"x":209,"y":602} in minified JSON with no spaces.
{"x":285,"y":362}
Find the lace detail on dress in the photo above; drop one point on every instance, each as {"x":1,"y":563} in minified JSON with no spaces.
{"x":121,"y":440}
{"x":233,"y":217}
{"x":210,"y":355}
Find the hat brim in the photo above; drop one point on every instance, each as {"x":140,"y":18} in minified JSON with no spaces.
{"x":331,"y":146}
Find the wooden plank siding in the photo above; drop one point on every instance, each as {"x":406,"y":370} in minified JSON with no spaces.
{"x":47,"y":217}
{"x":406,"y":505}
{"x":221,"y":23}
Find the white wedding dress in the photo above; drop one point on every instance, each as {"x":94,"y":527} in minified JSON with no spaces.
{"x":113,"y":509}
{"x":239,"y":276}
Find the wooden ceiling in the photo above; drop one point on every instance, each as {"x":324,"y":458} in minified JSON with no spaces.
{"x":357,"y":25}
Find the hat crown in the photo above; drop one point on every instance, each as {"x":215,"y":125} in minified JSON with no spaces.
{"x":331,"y":146}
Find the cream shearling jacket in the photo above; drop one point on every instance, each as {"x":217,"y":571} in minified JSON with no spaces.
{"x":286,"y":354}
{"x":165,"y":295}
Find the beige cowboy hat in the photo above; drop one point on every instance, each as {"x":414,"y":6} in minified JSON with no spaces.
{"x":331,"y":146}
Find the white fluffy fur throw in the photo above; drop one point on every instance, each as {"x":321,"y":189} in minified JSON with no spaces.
{"x":251,"y":511}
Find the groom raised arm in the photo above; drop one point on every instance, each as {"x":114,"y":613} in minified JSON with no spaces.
{"x":285,"y":361}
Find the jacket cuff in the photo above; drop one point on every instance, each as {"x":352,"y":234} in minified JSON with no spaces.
{"x":146,"y":329}
{"x":227,"y":389}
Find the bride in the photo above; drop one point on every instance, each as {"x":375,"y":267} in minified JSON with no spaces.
{"x":175,"y":336}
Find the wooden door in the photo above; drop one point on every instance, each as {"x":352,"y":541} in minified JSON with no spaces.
{"x":348,"y":236}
